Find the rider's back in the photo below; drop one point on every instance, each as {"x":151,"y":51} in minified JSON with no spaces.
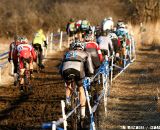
{"x":93,"y":48}
{"x":39,"y":38}
{"x":78,"y":60}
{"x":26,"y":51}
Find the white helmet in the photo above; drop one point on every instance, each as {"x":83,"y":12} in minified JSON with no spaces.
{"x":121,"y":25}
{"x":109,"y":18}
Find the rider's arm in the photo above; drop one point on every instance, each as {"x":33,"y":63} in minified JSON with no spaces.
{"x":111,"y":46}
{"x":33,"y":54}
{"x":89,"y":65}
{"x":10,"y":52}
{"x":99,"y":53}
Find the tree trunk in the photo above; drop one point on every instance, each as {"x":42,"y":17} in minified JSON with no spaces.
{"x":148,"y":10}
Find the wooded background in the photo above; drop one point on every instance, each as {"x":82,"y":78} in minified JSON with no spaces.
{"x":26,"y":16}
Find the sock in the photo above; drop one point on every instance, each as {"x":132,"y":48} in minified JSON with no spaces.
{"x":83,"y":108}
{"x":68,"y":99}
{"x":15,"y":76}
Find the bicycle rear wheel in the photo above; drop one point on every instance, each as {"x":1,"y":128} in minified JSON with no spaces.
{"x":27,"y":80}
{"x":75,"y":117}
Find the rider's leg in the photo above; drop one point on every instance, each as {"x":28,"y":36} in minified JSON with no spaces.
{"x":15,"y":63}
{"x":31,"y":69}
{"x":41,"y":57}
{"x":21,"y":79}
{"x":82,"y":101}
{"x":68,"y":92}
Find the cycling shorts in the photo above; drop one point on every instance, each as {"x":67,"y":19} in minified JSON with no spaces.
{"x":70,"y":75}
{"x":72,"y":33}
{"x":29,"y":60}
{"x":37,"y":46}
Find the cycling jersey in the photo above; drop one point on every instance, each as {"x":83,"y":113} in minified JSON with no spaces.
{"x":25,"y":51}
{"x":105,"y":43}
{"x":72,"y":27}
{"x":96,"y":54}
{"x":78,"y":60}
{"x":39,"y":38}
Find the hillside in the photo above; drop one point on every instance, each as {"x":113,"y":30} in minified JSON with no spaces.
{"x":25,"y":16}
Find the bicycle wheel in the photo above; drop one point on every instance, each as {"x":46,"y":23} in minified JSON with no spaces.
{"x":37,"y":62}
{"x":27,"y":79}
{"x":75,"y":118}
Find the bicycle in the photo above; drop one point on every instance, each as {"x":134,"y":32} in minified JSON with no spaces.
{"x":96,"y":93}
{"x":26,"y":87}
{"x":75,"y":105}
{"x":37,"y":50}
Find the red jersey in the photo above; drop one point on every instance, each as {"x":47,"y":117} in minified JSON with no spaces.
{"x":26,"y":51}
{"x":94,"y":45}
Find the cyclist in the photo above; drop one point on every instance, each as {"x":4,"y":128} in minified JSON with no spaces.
{"x":114,"y":39}
{"x":75,"y":66}
{"x":123,"y":37}
{"x":108,"y":24}
{"x":71,"y":30}
{"x":94,"y":50}
{"x":85,"y":27}
{"x":38,"y":41}
{"x":25,"y":51}
{"x":105,"y":44}
{"x":13,"y":56}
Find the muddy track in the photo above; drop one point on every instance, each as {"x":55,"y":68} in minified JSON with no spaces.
{"x":28,"y":112}
{"x":132,"y":99}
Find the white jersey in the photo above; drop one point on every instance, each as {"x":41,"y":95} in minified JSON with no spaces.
{"x":105,"y":43}
{"x":108,"y":24}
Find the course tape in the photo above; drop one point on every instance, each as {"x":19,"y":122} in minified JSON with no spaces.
{"x":5,"y":53}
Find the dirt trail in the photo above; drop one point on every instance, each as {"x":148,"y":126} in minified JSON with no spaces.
{"x":28,"y":112}
{"x":132,"y":99}
{"x":133,"y":94}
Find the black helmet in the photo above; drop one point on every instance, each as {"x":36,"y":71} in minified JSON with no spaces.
{"x":77,"y":45}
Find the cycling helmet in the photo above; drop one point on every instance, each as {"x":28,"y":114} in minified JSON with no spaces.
{"x":121,"y":25}
{"x":77,"y":45}
{"x":16,"y":37}
{"x":109,"y":18}
{"x":71,"y":20}
{"x":40,"y":31}
{"x":18,"y":40}
{"x":113,"y":36}
{"x":24,"y":40}
{"x":105,"y":19}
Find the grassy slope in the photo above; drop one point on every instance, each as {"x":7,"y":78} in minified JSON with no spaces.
{"x":26,"y":16}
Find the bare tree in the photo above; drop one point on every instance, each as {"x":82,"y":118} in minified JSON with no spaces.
{"x":149,"y":10}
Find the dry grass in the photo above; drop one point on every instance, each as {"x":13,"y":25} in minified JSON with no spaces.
{"x":52,"y":14}
{"x":149,"y":37}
